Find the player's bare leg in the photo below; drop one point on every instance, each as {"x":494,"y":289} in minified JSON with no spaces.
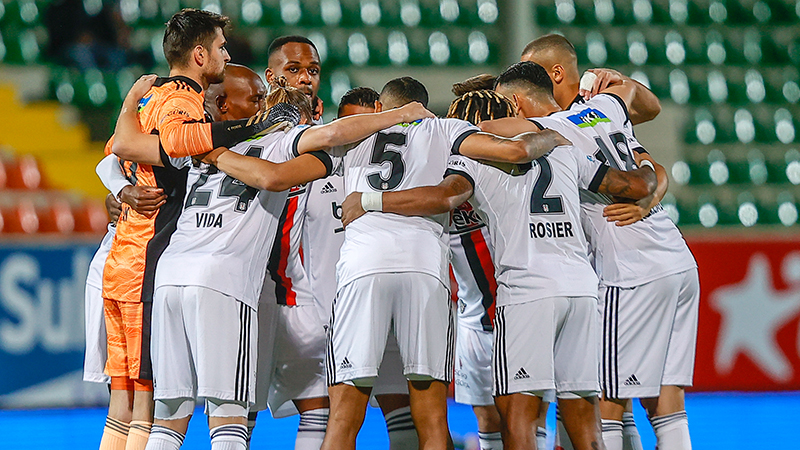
{"x":611,"y":411}
{"x":429,"y":411}
{"x":519,"y":413}
{"x":581,"y":419}
{"x":120,"y":407}
{"x":667,"y":414}
{"x":396,"y":409}
{"x":348,"y":407}
{"x":313,"y":422}
{"x":489,"y":427}
{"x":142,"y":415}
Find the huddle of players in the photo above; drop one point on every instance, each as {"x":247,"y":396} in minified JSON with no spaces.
{"x":546,"y":288}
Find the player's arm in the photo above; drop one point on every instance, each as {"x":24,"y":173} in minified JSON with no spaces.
{"x":454,"y":190}
{"x":145,"y":200}
{"x":270,"y":176}
{"x":183,"y":133}
{"x":633,"y":184}
{"x":128,"y":142}
{"x":354,"y":128}
{"x":521,"y":148}
{"x":628,"y":213}
{"x":642,"y":104}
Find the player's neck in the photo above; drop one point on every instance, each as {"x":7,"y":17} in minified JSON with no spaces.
{"x":542,"y":107}
{"x":193,"y":74}
{"x":564,"y":97}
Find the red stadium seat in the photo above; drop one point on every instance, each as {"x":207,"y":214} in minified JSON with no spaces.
{"x":56,"y":218}
{"x":90,"y":217}
{"x":24,"y":173}
{"x":21,"y":218}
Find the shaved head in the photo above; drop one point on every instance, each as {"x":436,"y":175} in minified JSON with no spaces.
{"x":557,"y":55}
{"x":241,"y":95}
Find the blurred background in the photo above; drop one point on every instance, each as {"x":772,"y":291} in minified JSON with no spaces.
{"x":726,"y":72}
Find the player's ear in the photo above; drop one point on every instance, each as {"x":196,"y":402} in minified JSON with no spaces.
{"x":558,"y":73}
{"x":378,"y":106}
{"x":199,"y":55}
{"x":517,"y":106}
{"x":222,"y":104}
{"x":269,"y":75}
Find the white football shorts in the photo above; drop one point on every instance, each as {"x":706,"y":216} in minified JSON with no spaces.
{"x":473,"y":373}
{"x":203,"y":345}
{"x":417,"y":306}
{"x":649,"y":335}
{"x":299,"y":358}
{"x":547,"y":344}
{"x":96,"y":353}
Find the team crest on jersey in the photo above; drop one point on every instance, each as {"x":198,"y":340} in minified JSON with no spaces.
{"x":589,"y":117}
{"x":408,"y":124}
{"x":144,"y":101}
{"x":465,"y":219}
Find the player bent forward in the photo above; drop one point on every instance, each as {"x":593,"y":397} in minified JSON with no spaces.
{"x":546,"y":326}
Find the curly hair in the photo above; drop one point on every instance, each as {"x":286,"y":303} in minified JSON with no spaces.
{"x":477,"y":106}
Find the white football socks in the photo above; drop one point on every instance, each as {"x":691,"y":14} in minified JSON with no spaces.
{"x":232,"y":436}
{"x":612,"y":434}
{"x":672,"y":431}
{"x":163,"y":438}
{"x":630,"y":434}
{"x":541,"y":438}
{"x":311,"y":429}
{"x":490,"y":441}
{"x":402,"y":433}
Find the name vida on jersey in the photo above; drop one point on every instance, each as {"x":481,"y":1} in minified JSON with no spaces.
{"x":543,"y":230}
{"x":208,"y":220}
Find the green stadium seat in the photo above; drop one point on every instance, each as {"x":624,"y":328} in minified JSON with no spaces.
{"x":21,"y":13}
{"x":785,"y":126}
{"x":439,"y":48}
{"x":410,"y":13}
{"x":22,"y":48}
{"x":330,"y":12}
{"x":397,"y":48}
{"x":487,"y":11}
{"x":785,"y":208}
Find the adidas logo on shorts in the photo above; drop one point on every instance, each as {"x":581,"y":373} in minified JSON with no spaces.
{"x":328,"y":188}
{"x":345,"y":364}
{"x":632,"y":381}
{"x":521,"y":374}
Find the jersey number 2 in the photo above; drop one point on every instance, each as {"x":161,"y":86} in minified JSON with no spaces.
{"x":540,"y":203}
{"x":381,"y":155}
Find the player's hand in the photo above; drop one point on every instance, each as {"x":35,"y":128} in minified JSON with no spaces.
{"x":351,"y":208}
{"x":140,"y":88}
{"x":414,"y":111}
{"x":211,"y":157}
{"x":318,"y":108}
{"x":145,"y":200}
{"x":279,"y":117}
{"x":605,"y":78}
{"x":113,"y":207}
{"x":625,"y":213}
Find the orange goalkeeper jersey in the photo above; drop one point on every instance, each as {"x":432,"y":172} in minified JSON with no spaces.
{"x":172,"y":109}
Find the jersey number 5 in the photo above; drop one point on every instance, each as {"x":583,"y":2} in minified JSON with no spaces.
{"x":540,"y":203}
{"x":381,"y":155}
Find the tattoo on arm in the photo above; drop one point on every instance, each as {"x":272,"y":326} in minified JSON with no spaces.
{"x":620,"y":184}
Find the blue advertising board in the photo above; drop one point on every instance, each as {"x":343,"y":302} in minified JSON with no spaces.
{"x":42,"y":325}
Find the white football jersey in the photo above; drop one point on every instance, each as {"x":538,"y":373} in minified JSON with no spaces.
{"x":226,"y":228}
{"x":534,"y":224}
{"x":471,"y":259}
{"x":95,"y":276}
{"x":623,"y":256}
{"x":286,"y":282}
{"x":400,"y":157}
{"x":323,"y":236}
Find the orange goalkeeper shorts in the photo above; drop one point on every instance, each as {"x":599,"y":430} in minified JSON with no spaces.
{"x":128,"y":334}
